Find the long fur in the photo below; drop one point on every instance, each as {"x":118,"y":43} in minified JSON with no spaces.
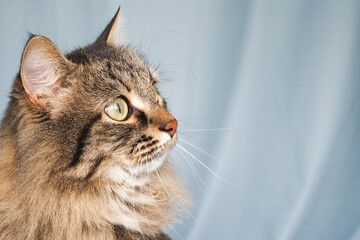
{"x":67,"y":171}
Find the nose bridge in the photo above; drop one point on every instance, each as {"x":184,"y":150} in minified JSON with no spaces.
{"x":161,"y":117}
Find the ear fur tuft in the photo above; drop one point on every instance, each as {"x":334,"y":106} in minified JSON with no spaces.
{"x":113,"y":34}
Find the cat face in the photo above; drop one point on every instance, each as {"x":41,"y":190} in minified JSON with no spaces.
{"x":98,"y":106}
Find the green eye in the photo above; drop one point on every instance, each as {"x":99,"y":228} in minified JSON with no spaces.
{"x":117,"y":109}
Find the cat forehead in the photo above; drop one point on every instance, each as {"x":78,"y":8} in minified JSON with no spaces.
{"x":123,"y":70}
{"x":117,"y":62}
{"x":124,"y":56}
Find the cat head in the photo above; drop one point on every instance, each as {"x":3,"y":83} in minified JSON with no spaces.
{"x":96,"y":110}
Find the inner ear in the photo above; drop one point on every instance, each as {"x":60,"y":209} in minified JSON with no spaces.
{"x":42,"y":68}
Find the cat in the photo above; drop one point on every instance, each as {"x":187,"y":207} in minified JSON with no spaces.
{"x":84,"y":145}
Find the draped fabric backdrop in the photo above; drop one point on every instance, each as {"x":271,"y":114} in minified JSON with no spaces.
{"x":269,"y":89}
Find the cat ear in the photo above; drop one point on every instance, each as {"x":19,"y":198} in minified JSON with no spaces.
{"x":113,"y":34}
{"x":42,"y":67}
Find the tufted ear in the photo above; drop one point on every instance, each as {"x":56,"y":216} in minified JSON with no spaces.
{"x":113,"y":34}
{"x":42,"y":69}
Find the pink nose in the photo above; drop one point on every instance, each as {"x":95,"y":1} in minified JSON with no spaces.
{"x":170,"y":127}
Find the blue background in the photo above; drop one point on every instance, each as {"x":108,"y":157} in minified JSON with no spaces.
{"x":270,"y":89}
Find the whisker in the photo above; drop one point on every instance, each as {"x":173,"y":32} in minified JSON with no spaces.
{"x":194,"y":171}
{"x":209,"y":169}
{"x":185,"y":68}
{"x":133,"y":203}
{"x":124,"y":201}
{"x":142,"y":201}
{"x":173,"y":156}
{"x":166,"y":32}
{"x":214,"y":129}
{"x":175,"y":203}
{"x":153,"y":40}
{"x":147,"y":166}
{"x":165,"y":73}
{"x":172,"y":199}
{"x":204,"y":152}
{"x":123,"y":211}
{"x":189,"y":135}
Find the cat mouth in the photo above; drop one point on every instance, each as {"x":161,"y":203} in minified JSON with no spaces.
{"x":149,"y":165}
{"x":152,"y":159}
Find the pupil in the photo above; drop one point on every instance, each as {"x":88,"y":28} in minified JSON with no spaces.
{"x":118,"y":107}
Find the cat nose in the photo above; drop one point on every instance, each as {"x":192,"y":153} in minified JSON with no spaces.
{"x":164,"y":121}
{"x":170,"y":127}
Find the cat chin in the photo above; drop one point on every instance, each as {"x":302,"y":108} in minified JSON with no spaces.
{"x":118,"y":173}
{"x":121,"y":173}
{"x":149,"y":166}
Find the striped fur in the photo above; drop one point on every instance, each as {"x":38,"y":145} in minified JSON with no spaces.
{"x":68,"y":171}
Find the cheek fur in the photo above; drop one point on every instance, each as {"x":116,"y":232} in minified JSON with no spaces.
{"x":129,"y":145}
{"x":149,"y":145}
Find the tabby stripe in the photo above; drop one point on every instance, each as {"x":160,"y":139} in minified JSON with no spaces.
{"x":115,"y":78}
{"x":42,"y":117}
{"x":140,"y":115}
{"x":84,"y":134}
{"x":119,"y":80}
{"x":95,"y":167}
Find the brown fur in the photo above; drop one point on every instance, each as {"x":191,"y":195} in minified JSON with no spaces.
{"x":61,"y":155}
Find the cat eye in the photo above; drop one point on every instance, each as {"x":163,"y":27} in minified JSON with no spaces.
{"x":117,"y":109}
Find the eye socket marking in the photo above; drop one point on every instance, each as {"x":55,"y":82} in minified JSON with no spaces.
{"x":117,"y":109}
